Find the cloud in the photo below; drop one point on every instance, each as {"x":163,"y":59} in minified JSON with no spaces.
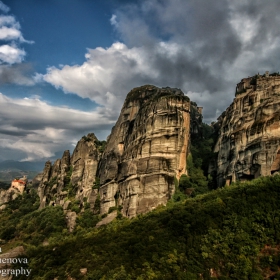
{"x":113,"y":20}
{"x":12,"y":70}
{"x":4,"y":8}
{"x":38,"y":130}
{"x":11,"y":54}
{"x":106,"y":75}
{"x":16,"y":74}
{"x":202,"y":47}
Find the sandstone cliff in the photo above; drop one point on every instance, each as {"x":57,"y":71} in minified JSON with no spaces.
{"x":248,"y":145}
{"x":147,"y":148}
{"x":70,"y":178}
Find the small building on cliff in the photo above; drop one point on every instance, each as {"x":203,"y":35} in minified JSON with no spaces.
{"x":19,"y":184}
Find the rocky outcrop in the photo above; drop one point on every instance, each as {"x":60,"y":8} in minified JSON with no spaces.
{"x":71,"y":220}
{"x":108,"y":219}
{"x":248,"y":145}
{"x":19,"y":184}
{"x":17,"y":188}
{"x":71,"y":178}
{"x":147,"y":148}
{"x":84,"y":160}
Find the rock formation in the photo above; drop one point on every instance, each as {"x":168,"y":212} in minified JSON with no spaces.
{"x":70,"y":179}
{"x":147,"y":148}
{"x":19,"y":184}
{"x":17,"y":188}
{"x":249,"y":132}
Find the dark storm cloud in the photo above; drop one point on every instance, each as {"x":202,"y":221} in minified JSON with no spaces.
{"x":15,"y":133}
{"x":201,"y":28}
{"x":16,"y":74}
{"x":219,"y":42}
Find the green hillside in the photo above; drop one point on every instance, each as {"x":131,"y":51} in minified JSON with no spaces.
{"x":229,"y":233}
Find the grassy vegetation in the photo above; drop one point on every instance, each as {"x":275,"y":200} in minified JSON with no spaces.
{"x":229,"y":233}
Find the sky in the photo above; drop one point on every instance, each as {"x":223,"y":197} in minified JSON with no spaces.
{"x":66,"y":66}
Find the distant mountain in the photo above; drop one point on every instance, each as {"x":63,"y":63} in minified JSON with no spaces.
{"x":12,"y":165}
{"x":10,"y":169}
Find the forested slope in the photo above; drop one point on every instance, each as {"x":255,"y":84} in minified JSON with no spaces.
{"x":229,"y":233}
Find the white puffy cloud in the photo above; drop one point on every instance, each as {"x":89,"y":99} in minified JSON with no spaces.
{"x":105,"y":76}
{"x":11,"y":54}
{"x":12,"y":68}
{"x":38,"y":130}
{"x":9,"y":33}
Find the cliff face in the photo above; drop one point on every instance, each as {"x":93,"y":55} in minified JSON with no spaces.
{"x":70,"y":177}
{"x":147,"y":148}
{"x":249,"y":139}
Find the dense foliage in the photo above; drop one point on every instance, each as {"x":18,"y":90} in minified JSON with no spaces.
{"x":21,"y":221}
{"x":201,"y":153}
{"x":229,"y":233}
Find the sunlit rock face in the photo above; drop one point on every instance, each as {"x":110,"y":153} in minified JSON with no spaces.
{"x":71,"y":176}
{"x":84,"y":162}
{"x":249,"y":141}
{"x":147,"y":148}
{"x":17,"y":188}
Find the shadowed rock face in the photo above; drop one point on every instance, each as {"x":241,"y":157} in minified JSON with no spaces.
{"x":147,"y":148}
{"x":249,"y":142}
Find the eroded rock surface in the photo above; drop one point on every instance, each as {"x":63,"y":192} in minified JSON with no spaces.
{"x":84,"y":160}
{"x":147,"y":148}
{"x":249,"y":142}
{"x":71,"y":177}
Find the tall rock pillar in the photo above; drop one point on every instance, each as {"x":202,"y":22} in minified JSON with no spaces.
{"x":147,"y":148}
